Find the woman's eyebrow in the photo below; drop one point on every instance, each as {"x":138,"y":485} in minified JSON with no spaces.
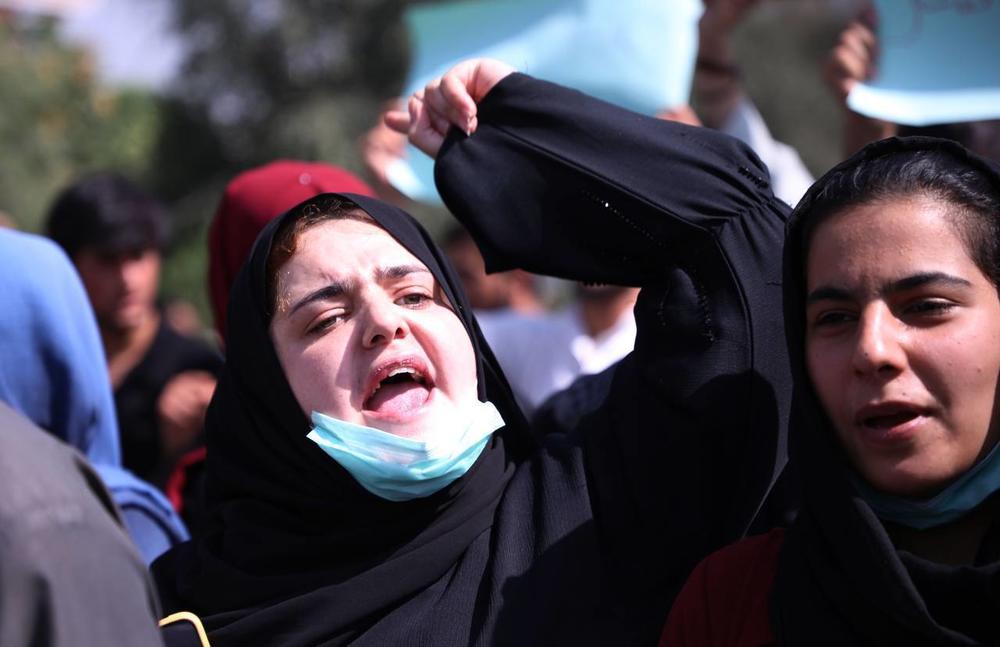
{"x":398,"y":272}
{"x":827,"y":293}
{"x":337,"y":288}
{"x":330,"y":291}
{"x":830,"y":293}
{"x":925,"y":278}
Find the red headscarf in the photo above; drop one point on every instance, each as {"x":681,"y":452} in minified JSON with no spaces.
{"x":252,"y":199}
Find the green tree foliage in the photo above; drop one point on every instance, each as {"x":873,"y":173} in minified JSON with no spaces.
{"x":262,"y":80}
{"x":269,"y":78}
{"x":58,"y":123}
{"x":266,"y":79}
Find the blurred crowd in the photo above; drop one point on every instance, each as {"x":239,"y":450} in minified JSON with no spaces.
{"x":94,"y":358}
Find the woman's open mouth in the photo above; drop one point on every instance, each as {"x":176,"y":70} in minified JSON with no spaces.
{"x":890,"y":422}
{"x":398,"y":390}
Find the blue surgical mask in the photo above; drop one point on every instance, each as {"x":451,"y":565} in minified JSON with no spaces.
{"x":967,"y":492}
{"x":400,"y":469}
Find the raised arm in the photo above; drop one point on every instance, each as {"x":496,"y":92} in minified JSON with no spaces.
{"x":689,"y":434}
{"x":556,"y":167}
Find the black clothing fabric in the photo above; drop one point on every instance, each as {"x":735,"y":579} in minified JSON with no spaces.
{"x":60,"y":543}
{"x":136,"y":397}
{"x":586,"y":538}
{"x":840,"y":580}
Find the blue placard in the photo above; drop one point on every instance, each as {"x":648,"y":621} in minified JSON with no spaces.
{"x":638,"y":54}
{"x":939,"y":62}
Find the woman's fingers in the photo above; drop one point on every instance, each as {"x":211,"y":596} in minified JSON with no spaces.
{"x":447,"y":101}
{"x":444,"y":112}
{"x":462,"y":108}
{"x":422,"y":132}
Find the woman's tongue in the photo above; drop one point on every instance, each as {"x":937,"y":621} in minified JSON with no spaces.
{"x":398,"y":399}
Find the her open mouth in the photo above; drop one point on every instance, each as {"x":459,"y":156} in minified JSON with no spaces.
{"x":889,"y":421}
{"x":398,"y":390}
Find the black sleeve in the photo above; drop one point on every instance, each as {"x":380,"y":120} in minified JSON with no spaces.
{"x":690,"y":435}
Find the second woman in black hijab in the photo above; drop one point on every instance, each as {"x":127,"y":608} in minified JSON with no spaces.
{"x":582,"y":538}
{"x":893,"y":309}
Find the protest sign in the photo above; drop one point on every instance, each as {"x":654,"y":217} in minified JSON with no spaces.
{"x":938,"y":62}
{"x":638,"y":54}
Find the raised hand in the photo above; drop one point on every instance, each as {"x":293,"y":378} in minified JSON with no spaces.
{"x":852,"y":60}
{"x":447,"y":101}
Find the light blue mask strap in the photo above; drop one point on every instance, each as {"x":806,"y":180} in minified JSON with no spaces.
{"x":967,"y":492}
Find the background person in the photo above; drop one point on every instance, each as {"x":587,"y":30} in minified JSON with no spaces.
{"x":546,"y":353}
{"x":68,"y":574}
{"x":496,"y":294}
{"x":115,"y":235}
{"x":542,"y":352}
{"x":723,"y":103}
{"x":252,"y":199}
{"x":53,"y":371}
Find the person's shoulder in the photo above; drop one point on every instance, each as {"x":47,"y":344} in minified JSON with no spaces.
{"x":26,"y":244}
{"x":726,"y":600}
{"x":749,"y":554}
{"x":24,"y":446}
{"x":45,"y":483}
{"x":41,"y":259}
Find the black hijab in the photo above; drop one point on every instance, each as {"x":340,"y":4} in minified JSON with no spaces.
{"x":840,"y":579}
{"x":297,"y":550}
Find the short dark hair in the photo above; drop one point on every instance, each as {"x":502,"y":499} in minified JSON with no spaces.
{"x":304,"y":217}
{"x":109,"y":214}
{"x":970,"y":192}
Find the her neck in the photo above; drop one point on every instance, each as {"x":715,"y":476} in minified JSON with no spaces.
{"x":956,"y":543}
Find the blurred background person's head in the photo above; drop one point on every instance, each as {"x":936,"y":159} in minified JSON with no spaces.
{"x":514,"y":290}
{"x":980,"y":137}
{"x":251,"y":200}
{"x":115,"y":234}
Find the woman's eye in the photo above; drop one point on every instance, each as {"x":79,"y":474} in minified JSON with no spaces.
{"x":413,"y":299}
{"x":930,"y":307}
{"x":833,"y":318}
{"x":325,"y":324}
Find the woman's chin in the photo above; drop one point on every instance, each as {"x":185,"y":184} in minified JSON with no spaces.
{"x":911,"y":479}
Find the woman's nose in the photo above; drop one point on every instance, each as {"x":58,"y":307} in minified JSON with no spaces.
{"x":384,"y":322}
{"x":879,"y":347}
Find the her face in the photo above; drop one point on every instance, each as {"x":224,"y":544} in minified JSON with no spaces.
{"x":902,"y":343}
{"x":364,"y":333}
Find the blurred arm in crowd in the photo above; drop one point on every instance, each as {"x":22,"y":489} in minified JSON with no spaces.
{"x":854,"y":59}
{"x":724,"y":105}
